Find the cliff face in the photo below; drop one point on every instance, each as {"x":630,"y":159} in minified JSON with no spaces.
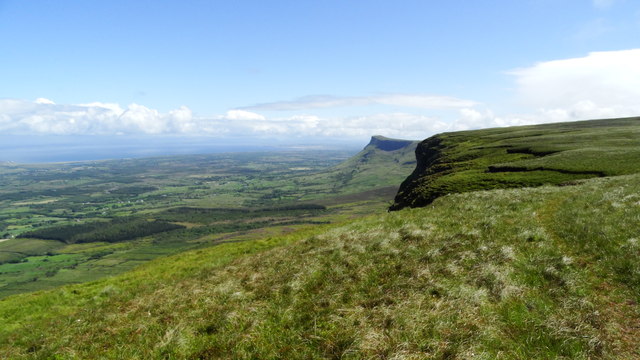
{"x":387,"y":144}
{"x":428,"y":156}
{"x":522,"y":156}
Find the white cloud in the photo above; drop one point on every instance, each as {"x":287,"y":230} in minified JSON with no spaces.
{"x":243,"y":115}
{"x":44,"y":101}
{"x":44,"y":117}
{"x":110,"y":106}
{"x":601,"y":84}
{"x":469,"y":119}
{"x":598,"y":86}
{"x":402,"y":100}
{"x":401,"y":125}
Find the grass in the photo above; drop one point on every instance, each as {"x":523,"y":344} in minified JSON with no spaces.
{"x":14,"y":250}
{"x":501,"y":274}
{"x":31,"y":272}
{"x":521,"y":156}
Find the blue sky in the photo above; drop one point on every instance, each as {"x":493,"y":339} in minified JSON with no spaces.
{"x":323,"y":70}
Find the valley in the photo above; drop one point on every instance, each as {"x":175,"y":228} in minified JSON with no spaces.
{"x":74,"y":222}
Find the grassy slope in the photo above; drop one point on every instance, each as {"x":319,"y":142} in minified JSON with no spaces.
{"x":522,"y":156}
{"x":503,"y":274}
{"x":371,"y":168}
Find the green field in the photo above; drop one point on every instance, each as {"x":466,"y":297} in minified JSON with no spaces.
{"x":112,"y":216}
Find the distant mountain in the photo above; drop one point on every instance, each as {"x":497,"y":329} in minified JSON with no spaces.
{"x":522,"y":156}
{"x":387,"y":144}
{"x":383,"y":162}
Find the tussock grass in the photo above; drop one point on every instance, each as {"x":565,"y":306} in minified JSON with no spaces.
{"x":537,"y":273}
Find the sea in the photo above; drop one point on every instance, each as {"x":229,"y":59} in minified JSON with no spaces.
{"x":24,"y":149}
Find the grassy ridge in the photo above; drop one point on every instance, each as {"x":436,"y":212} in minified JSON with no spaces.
{"x":503,"y":274}
{"x":521,"y":156}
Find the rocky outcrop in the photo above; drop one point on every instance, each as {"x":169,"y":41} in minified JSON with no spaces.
{"x":428,"y":157}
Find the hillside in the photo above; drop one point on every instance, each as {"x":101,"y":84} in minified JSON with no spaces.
{"x":519,"y":157}
{"x":520,"y":272}
{"x":502,"y":274}
{"x":383,"y":162}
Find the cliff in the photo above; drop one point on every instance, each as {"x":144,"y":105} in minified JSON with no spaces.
{"x":388,"y":144}
{"x":522,"y":156}
{"x":428,"y":156}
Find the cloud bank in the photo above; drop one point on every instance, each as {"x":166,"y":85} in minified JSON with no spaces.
{"x":43,"y":116}
{"x":599,"y":85}
{"x":46,"y":117}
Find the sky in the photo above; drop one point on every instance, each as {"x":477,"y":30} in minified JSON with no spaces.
{"x":291,"y":72}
